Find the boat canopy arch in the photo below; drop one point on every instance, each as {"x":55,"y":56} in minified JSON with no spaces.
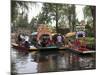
{"x":43,"y":30}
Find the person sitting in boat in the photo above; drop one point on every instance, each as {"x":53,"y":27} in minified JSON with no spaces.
{"x":43,"y":42}
{"x":66,"y":42}
{"x":49,"y":42}
{"x":34,"y":41}
{"x":77,"y":43}
{"x":26,"y":43}
{"x":70,"y":44}
{"x":38,"y":44}
{"x":83,"y":43}
{"x":20,"y":38}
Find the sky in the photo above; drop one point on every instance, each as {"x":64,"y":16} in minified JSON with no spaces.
{"x":79,"y":12}
{"x":36,"y":9}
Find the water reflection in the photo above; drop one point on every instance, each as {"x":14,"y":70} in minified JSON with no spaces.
{"x":36,"y":62}
{"x":24,"y":63}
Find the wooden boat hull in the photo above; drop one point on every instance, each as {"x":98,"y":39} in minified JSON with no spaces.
{"x":43,"y":49}
{"x":22,"y":48}
{"x":16,"y":46}
{"x":79,"y":51}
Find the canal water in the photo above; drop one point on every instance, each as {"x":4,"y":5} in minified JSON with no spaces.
{"x":49,"y":61}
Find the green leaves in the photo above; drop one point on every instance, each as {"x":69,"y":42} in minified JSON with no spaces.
{"x":60,"y":13}
{"x":22,"y":21}
{"x":90,"y":15}
{"x":87,"y":11}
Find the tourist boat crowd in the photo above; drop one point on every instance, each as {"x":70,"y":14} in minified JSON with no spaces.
{"x":57,"y":40}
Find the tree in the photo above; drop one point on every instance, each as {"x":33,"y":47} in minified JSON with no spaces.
{"x":33,"y":24}
{"x":15,"y":6}
{"x":50,"y":12}
{"x":70,"y":15}
{"x":62,"y":14}
{"x":90,"y":15}
{"x":93,"y":10}
{"x":19,"y":13}
{"x":73,"y":18}
{"x":22,"y":21}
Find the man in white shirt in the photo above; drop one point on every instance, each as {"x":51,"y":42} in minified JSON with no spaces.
{"x":26,"y":38}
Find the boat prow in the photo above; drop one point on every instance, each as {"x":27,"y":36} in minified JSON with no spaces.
{"x":16,"y":46}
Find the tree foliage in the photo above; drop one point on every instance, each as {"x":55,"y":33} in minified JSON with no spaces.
{"x":90,"y":15}
{"x":22,"y":21}
{"x":62,"y":14}
{"x":15,"y":6}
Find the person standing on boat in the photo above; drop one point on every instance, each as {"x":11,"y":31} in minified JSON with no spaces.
{"x":26,"y":44}
{"x":59,"y":40}
{"x":19,"y":38}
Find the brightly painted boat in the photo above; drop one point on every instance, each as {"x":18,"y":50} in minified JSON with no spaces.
{"x":54,"y":48}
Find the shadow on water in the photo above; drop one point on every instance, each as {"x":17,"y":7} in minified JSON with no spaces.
{"x":49,"y":61}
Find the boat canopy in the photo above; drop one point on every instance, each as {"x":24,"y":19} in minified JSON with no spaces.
{"x":34,"y":33}
{"x":43,"y":30}
{"x":70,"y":34}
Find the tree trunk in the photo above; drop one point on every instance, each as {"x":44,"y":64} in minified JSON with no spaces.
{"x":56,"y":18}
{"x":69,"y":18}
{"x":73,"y":18}
{"x":93,"y":10}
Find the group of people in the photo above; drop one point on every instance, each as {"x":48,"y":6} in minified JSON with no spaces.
{"x":57,"y":40}
{"x":76,"y":43}
{"x":46,"y":41}
{"x":23,"y":40}
{"x":27,"y":40}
